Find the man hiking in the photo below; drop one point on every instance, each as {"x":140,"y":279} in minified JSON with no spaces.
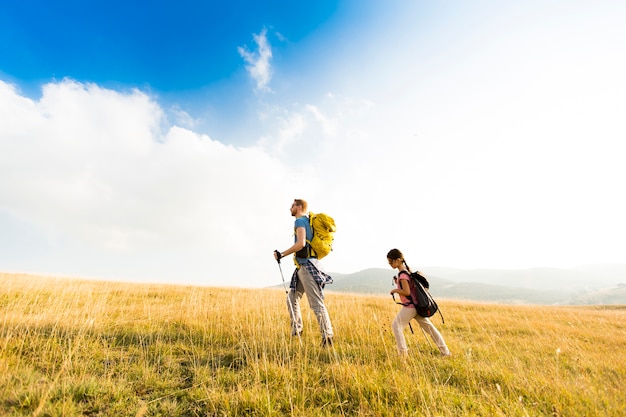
{"x":307,"y":278}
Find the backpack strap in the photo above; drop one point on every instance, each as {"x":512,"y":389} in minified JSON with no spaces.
{"x":310,"y":251}
{"x":307,"y":251}
{"x":426,"y":287}
{"x":411,"y":284}
{"x":408,"y":296}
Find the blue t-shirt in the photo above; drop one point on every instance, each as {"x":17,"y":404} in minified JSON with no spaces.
{"x":302,"y":222}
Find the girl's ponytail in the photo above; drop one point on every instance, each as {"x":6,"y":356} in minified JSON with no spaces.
{"x":396,"y":254}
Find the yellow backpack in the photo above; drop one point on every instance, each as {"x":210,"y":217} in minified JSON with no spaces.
{"x":323,"y":227}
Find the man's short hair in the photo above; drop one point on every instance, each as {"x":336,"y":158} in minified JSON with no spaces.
{"x":301,"y":203}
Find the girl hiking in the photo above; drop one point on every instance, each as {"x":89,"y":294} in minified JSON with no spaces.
{"x":408,"y":312}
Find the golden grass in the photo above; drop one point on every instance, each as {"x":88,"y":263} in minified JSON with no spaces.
{"x":72,"y":347}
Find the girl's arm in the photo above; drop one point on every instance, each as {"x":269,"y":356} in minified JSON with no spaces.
{"x":405,"y":290}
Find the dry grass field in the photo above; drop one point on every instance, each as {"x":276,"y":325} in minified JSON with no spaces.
{"x":78,"y":347}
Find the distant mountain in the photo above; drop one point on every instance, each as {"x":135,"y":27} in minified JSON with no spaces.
{"x":570,"y":280}
{"x":593,"y":284}
{"x":606,"y":272}
{"x":378,"y":281}
{"x":613,"y":295}
{"x":476,"y":291}
{"x":368,"y":281}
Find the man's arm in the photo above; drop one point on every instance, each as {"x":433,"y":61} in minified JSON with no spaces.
{"x":299,"y":244}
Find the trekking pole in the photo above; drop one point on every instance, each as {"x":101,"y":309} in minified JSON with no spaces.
{"x":278,"y":256}
{"x":292,"y":317}
{"x":427,"y":339}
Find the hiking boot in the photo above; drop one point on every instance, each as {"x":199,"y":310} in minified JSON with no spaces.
{"x":327,"y":342}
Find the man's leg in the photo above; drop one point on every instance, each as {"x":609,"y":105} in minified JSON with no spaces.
{"x":316,"y":301}
{"x":293,"y":305}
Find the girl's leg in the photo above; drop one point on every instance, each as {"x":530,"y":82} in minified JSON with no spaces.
{"x":399,"y":324}
{"x":430,"y":328}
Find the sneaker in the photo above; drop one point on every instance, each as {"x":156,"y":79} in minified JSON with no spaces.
{"x":327,"y":341}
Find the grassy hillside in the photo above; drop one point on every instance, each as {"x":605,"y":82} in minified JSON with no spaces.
{"x":70,"y":347}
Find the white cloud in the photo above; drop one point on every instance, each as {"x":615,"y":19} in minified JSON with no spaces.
{"x":182,"y":118}
{"x":92,"y":165}
{"x":474,"y":152}
{"x":258,"y":61}
{"x":499,"y":147}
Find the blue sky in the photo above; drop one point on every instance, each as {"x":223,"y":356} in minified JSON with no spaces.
{"x":168,"y":46}
{"x":186,"y":53}
{"x":166,"y":143}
